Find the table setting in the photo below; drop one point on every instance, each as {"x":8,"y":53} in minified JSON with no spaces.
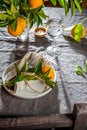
{"x":51,"y":45}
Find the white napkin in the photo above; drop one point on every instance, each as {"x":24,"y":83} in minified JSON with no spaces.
{"x":33,"y":60}
{"x":34,"y":86}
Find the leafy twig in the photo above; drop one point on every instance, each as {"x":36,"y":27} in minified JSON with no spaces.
{"x":26,"y":75}
{"x":79,"y":70}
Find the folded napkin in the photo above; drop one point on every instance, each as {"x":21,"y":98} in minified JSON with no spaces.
{"x":33,"y":86}
{"x":33,"y":60}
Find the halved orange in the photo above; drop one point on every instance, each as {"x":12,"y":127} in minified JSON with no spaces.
{"x":83,"y":31}
{"x":51,"y":74}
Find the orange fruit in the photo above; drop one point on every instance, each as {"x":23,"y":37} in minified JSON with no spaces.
{"x":83,"y":31}
{"x":21,"y":24}
{"x":35,"y":3}
{"x":51,"y":73}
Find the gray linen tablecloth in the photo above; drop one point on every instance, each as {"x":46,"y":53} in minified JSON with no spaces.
{"x":70,"y":89}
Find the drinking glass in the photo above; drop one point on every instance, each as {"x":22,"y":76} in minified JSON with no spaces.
{"x":54,"y":30}
{"x":25,"y":34}
{"x":55,"y":27}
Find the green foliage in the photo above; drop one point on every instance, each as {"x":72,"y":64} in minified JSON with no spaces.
{"x":26,"y":66}
{"x":72,"y":7}
{"x":61,"y":2}
{"x":38,"y":67}
{"x":66,"y":7}
{"x":5,"y":23}
{"x":77,"y":3}
{"x":71,"y":3}
{"x":50,"y":83}
{"x":80,"y":71}
{"x":36,"y":16}
{"x":17,"y":69}
{"x":31,"y":74}
{"x":20,"y":8}
{"x":14,"y":24}
{"x":12,"y":9}
{"x":54,"y":2}
{"x":78,"y":32}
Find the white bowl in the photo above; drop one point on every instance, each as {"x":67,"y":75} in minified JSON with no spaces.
{"x":40,"y":31}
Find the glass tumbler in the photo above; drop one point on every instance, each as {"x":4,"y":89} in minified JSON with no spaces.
{"x":25,"y":34}
{"x":54,"y":30}
{"x":55,"y":27}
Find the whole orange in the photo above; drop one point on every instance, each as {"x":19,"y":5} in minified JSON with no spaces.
{"x":35,"y":3}
{"x":21,"y":24}
{"x":51,"y":73}
{"x":83,"y":31}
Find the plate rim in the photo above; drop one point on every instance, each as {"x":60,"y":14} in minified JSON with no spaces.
{"x":21,"y":97}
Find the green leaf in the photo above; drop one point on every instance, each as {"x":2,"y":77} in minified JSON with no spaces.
{"x":38,"y":9}
{"x":14,"y":25}
{"x":54,"y":2}
{"x":8,"y":11}
{"x":66,"y":8}
{"x":35,"y":15}
{"x":3,"y":16}
{"x":26,"y":66}
{"x":13,"y":8}
{"x":72,"y":7}
{"x":37,"y":19}
{"x":30,"y":77}
{"x":18,"y":78}
{"x":42,"y":14}
{"x":78,"y":32}
{"x":47,"y":80}
{"x":4,"y":23}
{"x":3,"y":5}
{"x":25,"y":2}
{"x":47,"y":72}
{"x":31,"y":19}
{"x":17,"y":2}
{"x":50,"y":83}
{"x":78,"y":5}
{"x":7,"y":1}
{"x":38,"y":67}
{"x":32,"y":70}
{"x":79,"y":70}
{"x":86,"y":66}
{"x":62,"y":2}
{"x":17,"y":69}
{"x":43,"y":76}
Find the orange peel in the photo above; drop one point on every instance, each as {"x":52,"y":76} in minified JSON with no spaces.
{"x":21,"y":24}
{"x":83,"y":31}
{"x":35,"y":3}
{"x":51,"y":74}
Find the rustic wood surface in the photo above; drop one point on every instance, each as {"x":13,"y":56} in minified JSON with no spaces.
{"x":80,"y":117}
{"x":37,"y":122}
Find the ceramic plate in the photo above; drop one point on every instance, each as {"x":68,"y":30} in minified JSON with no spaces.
{"x":37,"y":89}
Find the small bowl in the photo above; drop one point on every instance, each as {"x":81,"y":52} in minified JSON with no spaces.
{"x":40,"y":31}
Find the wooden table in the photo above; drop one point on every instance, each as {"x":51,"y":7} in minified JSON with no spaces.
{"x":65,"y":106}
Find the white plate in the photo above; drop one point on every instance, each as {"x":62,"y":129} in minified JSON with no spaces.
{"x":28,"y":93}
